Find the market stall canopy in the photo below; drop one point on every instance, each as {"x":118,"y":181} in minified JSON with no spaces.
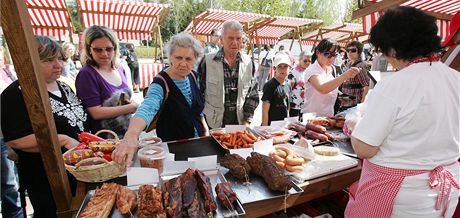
{"x":442,"y":10}
{"x":342,"y":33}
{"x":203,"y":23}
{"x":129,"y":19}
{"x":49,"y":17}
{"x":272,"y":31}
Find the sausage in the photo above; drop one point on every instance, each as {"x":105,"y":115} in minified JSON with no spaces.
{"x":291,"y":168}
{"x":282,"y":148}
{"x":281,"y":153}
{"x":315,"y":135}
{"x":280,"y":163}
{"x":316,"y":128}
{"x":294,"y":161}
{"x":277,"y":158}
{"x":298,"y":127}
{"x":329,"y":136}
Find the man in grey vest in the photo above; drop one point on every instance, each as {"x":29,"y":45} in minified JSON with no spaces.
{"x":227,"y":81}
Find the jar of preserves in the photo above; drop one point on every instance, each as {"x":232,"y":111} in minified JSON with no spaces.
{"x":152,"y":157}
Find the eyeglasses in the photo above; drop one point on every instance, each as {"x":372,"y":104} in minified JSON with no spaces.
{"x":352,"y":50}
{"x":330,"y":54}
{"x":100,"y":50}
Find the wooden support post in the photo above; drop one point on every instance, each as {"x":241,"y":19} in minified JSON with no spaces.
{"x":21,"y":42}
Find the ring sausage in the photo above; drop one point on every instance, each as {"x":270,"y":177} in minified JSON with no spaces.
{"x":277,"y":158}
{"x":280,"y":163}
{"x":282,"y":148}
{"x":291,"y":168}
{"x":281,"y":153}
{"x":294,"y":161}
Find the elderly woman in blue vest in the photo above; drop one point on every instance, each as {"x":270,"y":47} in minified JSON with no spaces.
{"x":180,"y":114}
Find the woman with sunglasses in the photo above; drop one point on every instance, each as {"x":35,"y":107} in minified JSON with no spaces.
{"x":101,"y":85}
{"x":356,"y":88}
{"x":409,"y":137}
{"x":321,"y":85}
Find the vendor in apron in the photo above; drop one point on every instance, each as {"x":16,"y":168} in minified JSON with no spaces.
{"x":409,"y":135}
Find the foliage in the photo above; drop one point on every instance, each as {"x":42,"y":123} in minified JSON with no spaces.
{"x":74,"y":15}
{"x":146,"y":52}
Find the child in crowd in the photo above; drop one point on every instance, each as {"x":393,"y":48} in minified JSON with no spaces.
{"x":277,"y":91}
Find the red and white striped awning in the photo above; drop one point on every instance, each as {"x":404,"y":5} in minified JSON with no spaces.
{"x":129,"y":19}
{"x":272,"y":32}
{"x":448,"y":7}
{"x":341,"y":33}
{"x":205,"y":22}
{"x":49,"y":17}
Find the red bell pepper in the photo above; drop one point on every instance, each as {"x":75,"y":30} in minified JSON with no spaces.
{"x":87,"y":137}
{"x":108,"y":157}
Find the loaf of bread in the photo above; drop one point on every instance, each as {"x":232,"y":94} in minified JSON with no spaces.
{"x":327,"y":150}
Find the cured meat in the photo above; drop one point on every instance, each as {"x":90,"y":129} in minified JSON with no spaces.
{"x":126,"y":200}
{"x":237,"y":165}
{"x":196,"y":208}
{"x":316,"y":128}
{"x":225,"y":194}
{"x":273,"y":175}
{"x":173,"y":197}
{"x":298,"y":127}
{"x":150,"y":202}
{"x":316,"y":135}
{"x":101,"y":202}
{"x":188,"y":187}
{"x":204,"y":184}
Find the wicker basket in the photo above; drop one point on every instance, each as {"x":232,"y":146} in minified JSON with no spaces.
{"x":96,"y":173}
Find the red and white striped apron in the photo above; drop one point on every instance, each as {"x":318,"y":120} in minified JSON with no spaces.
{"x":374,"y":194}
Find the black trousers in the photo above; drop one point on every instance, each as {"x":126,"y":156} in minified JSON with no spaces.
{"x":135,"y":74}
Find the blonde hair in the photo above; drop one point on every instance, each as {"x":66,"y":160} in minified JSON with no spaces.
{"x":95,"y":32}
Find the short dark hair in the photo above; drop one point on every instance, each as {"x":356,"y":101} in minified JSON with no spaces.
{"x":407,"y":30}
{"x":324,"y":46}
{"x":356,"y":44}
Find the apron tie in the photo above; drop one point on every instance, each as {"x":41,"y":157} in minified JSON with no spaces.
{"x":442,"y":180}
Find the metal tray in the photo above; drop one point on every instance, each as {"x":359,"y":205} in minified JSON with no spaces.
{"x":257,"y":190}
{"x":216,"y":177}
{"x":114,"y":213}
{"x":223,"y":130}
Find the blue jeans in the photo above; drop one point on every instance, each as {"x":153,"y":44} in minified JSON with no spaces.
{"x":263,"y":76}
{"x":11,"y":204}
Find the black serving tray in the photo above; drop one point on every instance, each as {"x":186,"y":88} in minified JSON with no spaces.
{"x":196,"y":148}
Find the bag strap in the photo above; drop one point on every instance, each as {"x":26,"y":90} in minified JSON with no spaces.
{"x":153,"y":123}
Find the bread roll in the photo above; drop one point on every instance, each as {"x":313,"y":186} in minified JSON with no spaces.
{"x":327,"y":150}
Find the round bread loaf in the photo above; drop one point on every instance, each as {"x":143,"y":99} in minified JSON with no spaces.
{"x":327,"y":150}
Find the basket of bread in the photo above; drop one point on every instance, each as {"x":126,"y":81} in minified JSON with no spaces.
{"x":91,"y":160}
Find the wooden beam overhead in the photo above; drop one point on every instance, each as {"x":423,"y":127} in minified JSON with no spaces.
{"x":21,"y":42}
{"x":46,"y":8}
{"x":378,"y":6}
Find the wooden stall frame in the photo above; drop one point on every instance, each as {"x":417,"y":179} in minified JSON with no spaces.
{"x":21,"y":42}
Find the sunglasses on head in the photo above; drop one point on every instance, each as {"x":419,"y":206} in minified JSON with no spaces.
{"x":330,"y":54}
{"x":352,"y":50}
{"x":100,"y":50}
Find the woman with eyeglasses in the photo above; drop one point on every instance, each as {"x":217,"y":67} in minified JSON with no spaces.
{"x":101,"y":85}
{"x":321,"y":80}
{"x":295,"y":80}
{"x":70,"y":118}
{"x":355,"y":89}
{"x":409,"y":135}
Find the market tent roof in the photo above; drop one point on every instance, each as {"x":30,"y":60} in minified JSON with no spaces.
{"x":203,"y":23}
{"x":443,"y":10}
{"x":271,"y":32}
{"x":342,"y":33}
{"x":129,"y":19}
{"x":49,"y":17}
